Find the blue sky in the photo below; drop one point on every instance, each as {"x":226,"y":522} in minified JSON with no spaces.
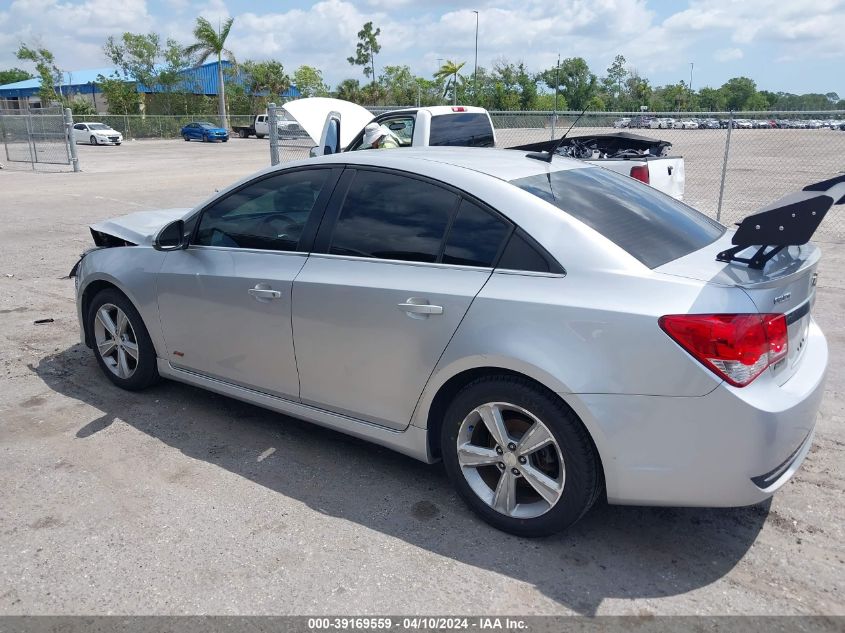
{"x":795,"y":46}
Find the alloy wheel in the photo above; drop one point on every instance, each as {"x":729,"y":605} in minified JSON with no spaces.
{"x":511,"y":460}
{"x":116,"y":342}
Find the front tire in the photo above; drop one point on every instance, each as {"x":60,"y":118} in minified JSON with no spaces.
{"x":121,"y":343}
{"x":93,"y":140}
{"x":519,"y":456}
{"x":259,"y":136}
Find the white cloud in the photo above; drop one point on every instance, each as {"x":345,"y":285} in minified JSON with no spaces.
{"x":324,"y":32}
{"x":727,"y":54}
{"x":74,"y":32}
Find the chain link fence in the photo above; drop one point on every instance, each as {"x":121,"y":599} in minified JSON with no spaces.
{"x":768,"y":154}
{"x":35,"y":137}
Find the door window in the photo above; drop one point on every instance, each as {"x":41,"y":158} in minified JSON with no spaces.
{"x":79,"y":126}
{"x":269,"y":214}
{"x":389,"y":216}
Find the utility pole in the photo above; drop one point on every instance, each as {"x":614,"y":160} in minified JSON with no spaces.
{"x":557,"y":83}
{"x":690,"y":83}
{"x":475,"y":72}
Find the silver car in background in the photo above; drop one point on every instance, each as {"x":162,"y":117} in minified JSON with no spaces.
{"x":552,"y":331}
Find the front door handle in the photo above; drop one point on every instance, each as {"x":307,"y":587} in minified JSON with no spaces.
{"x":262,"y":292}
{"x":418,"y":308}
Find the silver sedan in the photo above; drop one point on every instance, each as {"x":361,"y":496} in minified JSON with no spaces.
{"x":554,"y":332}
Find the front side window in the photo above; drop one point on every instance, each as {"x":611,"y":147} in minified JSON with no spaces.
{"x":269,"y":214}
{"x":389,"y":216}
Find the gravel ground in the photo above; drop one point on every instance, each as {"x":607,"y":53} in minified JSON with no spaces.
{"x":176,"y":500}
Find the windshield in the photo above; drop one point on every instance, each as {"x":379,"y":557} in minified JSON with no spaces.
{"x":98,"y":126}
{"x":651,"y":226}
{"x":206,"y":124}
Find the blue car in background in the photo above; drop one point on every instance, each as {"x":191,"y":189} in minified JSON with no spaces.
{"x":204,"y":131}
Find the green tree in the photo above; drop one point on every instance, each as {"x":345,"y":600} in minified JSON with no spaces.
{"x":639,"y":91}
{"x":756,"y":101}
{"x":366,"y":49}
{"x":13,"y":75}
{"x":711,"y":99}
{"x":268,"y":76}
{"x":309,"y":82}
{"x":141,"y":58}
{"x":400,"y":85}
{"x":80,"y":106}
{"x":737,"y":92}
{"x":451,"y":71}
{"x":49,"y":73}
{"x":577,"y":83}
{"x":349,"y":90}
{"x":212,"y":43}
{"x":613,"y":83}
{"x":121,"y":95}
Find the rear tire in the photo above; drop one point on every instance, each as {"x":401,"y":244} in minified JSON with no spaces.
{"x":121,"y":343}
{"x":534,"y":487}
{"x":186,"y":137}
{"x":243,"y":133}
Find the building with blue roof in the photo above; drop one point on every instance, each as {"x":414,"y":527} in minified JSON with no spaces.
{"x":201,"y":80}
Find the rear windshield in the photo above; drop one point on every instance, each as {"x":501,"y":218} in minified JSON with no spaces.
{"x":461,"y":129}
{"x":651,"y":226}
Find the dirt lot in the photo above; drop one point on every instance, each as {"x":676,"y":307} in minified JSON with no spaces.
{"x":176,"y":501}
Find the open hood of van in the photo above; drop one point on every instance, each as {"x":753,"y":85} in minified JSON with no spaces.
{"x":311,"y":114}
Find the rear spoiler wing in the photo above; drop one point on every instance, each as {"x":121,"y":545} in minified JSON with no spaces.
{"x":789,"y":221}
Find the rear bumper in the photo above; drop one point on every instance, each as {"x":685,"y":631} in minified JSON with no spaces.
{"x":732,"y":447}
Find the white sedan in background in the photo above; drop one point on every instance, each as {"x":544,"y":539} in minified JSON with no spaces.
{"x":96,"y":134}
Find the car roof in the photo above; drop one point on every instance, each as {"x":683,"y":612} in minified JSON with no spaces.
{"x":503,"y":164}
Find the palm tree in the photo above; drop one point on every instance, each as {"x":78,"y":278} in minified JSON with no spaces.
{"x":451,"y":69}
{"x":210,"y":42}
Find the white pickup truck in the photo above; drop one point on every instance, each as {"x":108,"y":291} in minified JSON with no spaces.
{"x":640,"y":157}
{"x":338,"y":126}
{"x":260,"y":128}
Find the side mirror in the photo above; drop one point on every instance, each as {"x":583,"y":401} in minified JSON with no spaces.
{"x":171,"y":237}
{"x":313,"y":151}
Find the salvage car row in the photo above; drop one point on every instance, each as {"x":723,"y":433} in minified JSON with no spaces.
{"x":668,"y":123}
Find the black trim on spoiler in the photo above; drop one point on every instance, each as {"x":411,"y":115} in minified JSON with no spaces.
{"x":789,"y":221}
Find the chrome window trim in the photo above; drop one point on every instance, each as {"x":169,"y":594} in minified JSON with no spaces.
{"x":245,"y":250}
{"x":528,"y":273}
{"x":487,"y":269}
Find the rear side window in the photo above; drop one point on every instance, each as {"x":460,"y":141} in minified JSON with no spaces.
{"x":475,"y":238}
{"x":461,"y":129}
{"x":521,"y":254}
{"x":389,"y":216}
{"x":651,"y":226}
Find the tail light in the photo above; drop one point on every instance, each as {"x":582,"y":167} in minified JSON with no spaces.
{"x":736,"y":347}
{"x":640,"y":172}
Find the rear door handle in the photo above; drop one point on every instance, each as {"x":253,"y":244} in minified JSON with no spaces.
{"x":421,"y":307}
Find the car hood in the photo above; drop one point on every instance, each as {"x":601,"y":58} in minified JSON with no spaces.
{"x":311,"y":115}
{"x":141,"y":227}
